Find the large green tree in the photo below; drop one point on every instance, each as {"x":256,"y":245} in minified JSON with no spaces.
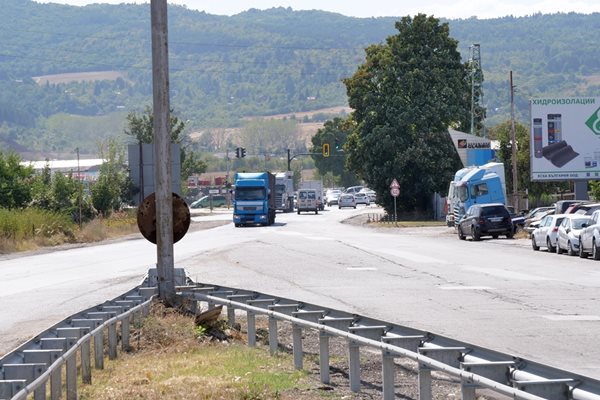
{"x":405,"y":96}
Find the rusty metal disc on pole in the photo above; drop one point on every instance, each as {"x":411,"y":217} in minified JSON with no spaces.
{"x":146,"y":218}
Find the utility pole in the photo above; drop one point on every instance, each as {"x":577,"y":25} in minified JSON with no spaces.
{"x":162,"y":152}
{"x":80,"y":187}
{"x":513,"y":144}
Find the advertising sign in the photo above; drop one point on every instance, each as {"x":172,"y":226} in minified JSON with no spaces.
{"x":565,"y":139}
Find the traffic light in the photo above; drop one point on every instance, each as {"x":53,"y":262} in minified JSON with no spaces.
{"x":325,"y":149}
{"x":240,"y":152}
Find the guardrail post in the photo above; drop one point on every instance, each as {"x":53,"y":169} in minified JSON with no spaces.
{"x":125,"y":334}
{"x":55,"y":384}
{"x":272,"y":335}
{"x":324,"y":356}
{"x":99,"y":349}
{"x":86,"y":365}
{"x":354,"y":365}
{"x":424,"y":382}
{"x":71,"y":377}
{"x":467,"y":389}
{"x":251,"y":318}
{"x":112,"y":341}
{"x":230,"y":316}
{"x":387,"y":373}
{"x":297,"y":345}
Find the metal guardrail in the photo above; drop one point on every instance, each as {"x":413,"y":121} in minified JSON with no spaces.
{"x":38,"y":364}
{"x":474,"y":366}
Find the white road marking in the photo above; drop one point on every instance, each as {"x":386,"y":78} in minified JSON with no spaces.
{"x":508,"y":274}
{"x":466,"y":288}
{"x":572,"y":317}
{"x":413,"y":257}
{"x":361,"y":269}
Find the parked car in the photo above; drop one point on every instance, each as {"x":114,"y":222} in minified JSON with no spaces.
{"x":331,"y":196}
{"x":545,"y":234}
{"x":518,"y":220}
{"x":346,"y":200}
{"x":362,"y":198}
{"x":485,"y":220}
{"x":589,"y":237}
{"x":371,"y":193}
{"x":205,"y":201}
{"x":587,"y":209}
{"x":568,"y":233}
{"x":354,"y":189}
{"x":532,"y":220}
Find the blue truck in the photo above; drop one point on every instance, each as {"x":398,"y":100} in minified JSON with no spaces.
{"x":477,"y":185}
{"x":254,"y":200}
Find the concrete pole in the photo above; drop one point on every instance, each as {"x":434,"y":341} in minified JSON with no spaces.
{"x":162,"y":152}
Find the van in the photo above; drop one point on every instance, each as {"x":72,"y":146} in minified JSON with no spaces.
{"x":307,"y":200}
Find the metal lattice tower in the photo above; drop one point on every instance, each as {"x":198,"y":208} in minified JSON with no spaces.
{"x":477,"y":108}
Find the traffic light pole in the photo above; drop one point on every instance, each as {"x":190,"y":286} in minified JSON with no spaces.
{"x":290,"y":158}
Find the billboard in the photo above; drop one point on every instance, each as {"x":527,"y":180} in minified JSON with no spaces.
{"x":565,"y":138}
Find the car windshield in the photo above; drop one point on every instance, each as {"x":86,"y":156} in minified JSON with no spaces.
{"x":243,"y":193}
{"x":578,"y":223}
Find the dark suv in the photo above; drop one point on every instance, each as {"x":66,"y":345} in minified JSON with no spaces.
{"x":485,"y":220}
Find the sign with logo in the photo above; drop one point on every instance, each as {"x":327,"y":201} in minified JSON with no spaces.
{"x":565,"y":138}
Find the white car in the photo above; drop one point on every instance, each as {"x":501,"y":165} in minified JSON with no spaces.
{"x":331,"y":196}
{"x":362,"y":198}
{"x":569,"y":231}
{"x":370,"y":193}
{"x":545,"y":235}
{"x":346,"y":200}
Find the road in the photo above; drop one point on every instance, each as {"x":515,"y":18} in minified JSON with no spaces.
{"x":495,"y":293}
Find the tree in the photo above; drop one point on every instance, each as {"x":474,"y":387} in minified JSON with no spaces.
{"x":334,"y":133}
{"x":107,"y":190}
{"x":141,"y":127}
{"x":405,"y":96}
{"x":15,"y":190}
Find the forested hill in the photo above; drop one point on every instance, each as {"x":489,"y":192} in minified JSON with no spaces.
{"x":254,"y":63}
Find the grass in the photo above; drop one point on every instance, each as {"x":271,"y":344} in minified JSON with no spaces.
{"x":173,"y":359}
{"x":30,"y":229}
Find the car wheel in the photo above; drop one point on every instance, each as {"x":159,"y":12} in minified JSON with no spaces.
{"x":551,"y":249}
{"x":534,"y":245}
{"x":570,"y":250}
{"x":558,"y":249}
{"x":354,"y":207}
{"x":595,"y":252}
{"x":316,"y":212}
{"x":495,"y":236}
{"x":582,"y":253}
{"x":510,"y":234}
{"x":298,"y":212}
{"x":461,"y":236}
{"x":475,"y":234}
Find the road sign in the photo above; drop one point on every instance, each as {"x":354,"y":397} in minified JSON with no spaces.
{"x":395,"y":184}
{"x":395,"y":192}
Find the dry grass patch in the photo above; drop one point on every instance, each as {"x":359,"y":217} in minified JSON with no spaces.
{"x":174,"y":359}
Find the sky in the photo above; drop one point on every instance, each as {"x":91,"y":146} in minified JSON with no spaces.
{"x":481,"y":9}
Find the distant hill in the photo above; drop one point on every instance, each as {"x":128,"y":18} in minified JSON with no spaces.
{"x":256,"y":63}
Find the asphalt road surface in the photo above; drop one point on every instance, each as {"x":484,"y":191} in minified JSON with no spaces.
{"x":498,"y":294}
